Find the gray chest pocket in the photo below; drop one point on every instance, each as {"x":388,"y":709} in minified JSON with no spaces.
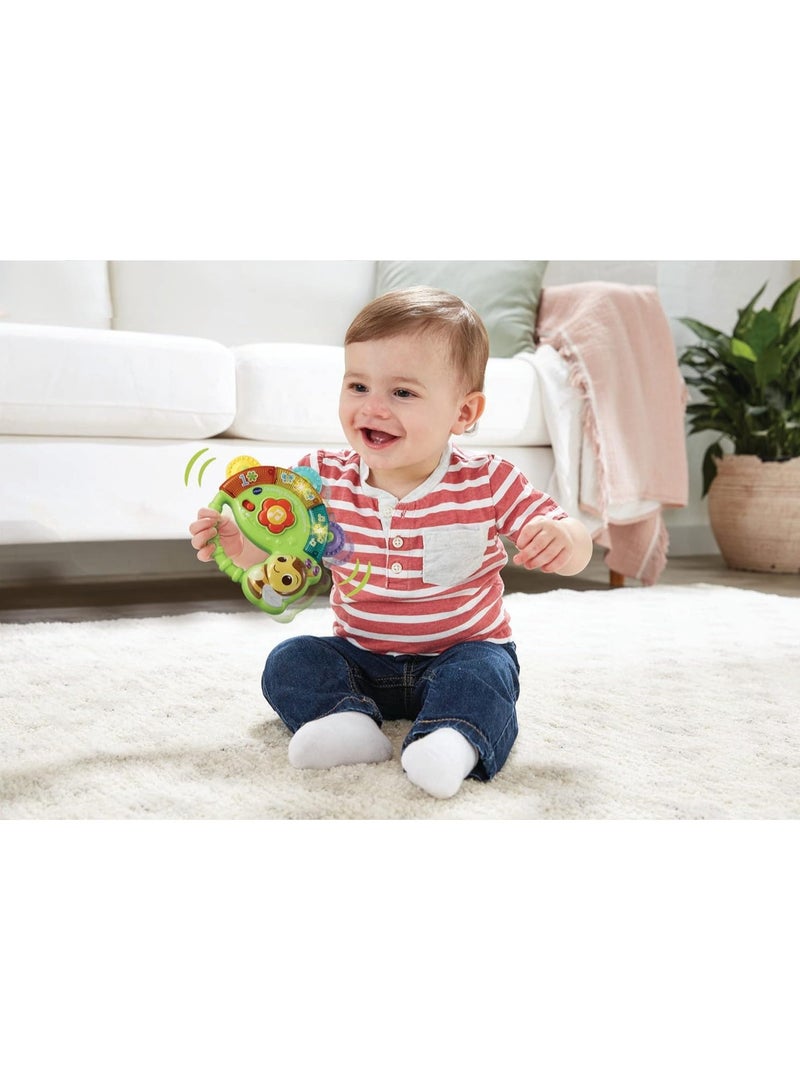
{"x":451,"y":554}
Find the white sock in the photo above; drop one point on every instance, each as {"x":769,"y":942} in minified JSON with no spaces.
{"x":343,"y":738}
{"x":438,"y":762}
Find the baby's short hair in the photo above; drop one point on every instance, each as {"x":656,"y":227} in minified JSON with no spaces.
{"x":411,"y":310}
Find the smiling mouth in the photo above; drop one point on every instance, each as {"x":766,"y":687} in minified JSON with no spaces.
{"x":377,"y":439}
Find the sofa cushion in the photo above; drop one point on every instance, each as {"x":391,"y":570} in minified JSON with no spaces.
{"x":289,"y":393}
{"x":504,"y":293}
{"x":56,"y":293}
{"x":60,"y":381}
{"x":241,"y":302}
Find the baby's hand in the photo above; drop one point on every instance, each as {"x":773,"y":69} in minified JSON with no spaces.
{"x":554,"y":545}
{"x":205,"y":528}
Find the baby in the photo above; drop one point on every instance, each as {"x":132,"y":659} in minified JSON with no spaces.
{"x":426,"y":636}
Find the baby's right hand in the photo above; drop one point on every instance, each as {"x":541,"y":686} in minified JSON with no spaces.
{"x":205,"y":528}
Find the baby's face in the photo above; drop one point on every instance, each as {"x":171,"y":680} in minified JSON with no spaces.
{"x":401,"y":401}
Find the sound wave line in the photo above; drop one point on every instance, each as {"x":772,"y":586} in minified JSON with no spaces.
{"x":352,"y":576}
{"x":203,"y":468}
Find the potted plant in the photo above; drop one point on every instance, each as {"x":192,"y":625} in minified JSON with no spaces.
{"x":750,"y":383}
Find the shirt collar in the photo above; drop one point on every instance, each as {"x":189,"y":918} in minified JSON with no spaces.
{"x":428,"y":485}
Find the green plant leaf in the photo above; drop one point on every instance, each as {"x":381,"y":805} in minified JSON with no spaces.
{"x":710,"y":466}
{"x":764,"y":331}
{"x":703,"y":424}
{"x":741,"y":348}
{"x":774,"y":398}
{"x":791,"y":349}
{"x":769,"y":365}
{"x":746,"y":313}
{"x":783,"y":307}
{"x":705,"y":333}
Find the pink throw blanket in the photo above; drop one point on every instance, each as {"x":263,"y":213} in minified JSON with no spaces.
{"x":617,"y":342}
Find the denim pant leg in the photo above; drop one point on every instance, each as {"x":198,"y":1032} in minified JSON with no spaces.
{"x":307,"y":677}
{"x":472,"y":688}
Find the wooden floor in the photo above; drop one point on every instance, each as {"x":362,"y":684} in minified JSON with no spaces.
{"x":115,"y":598}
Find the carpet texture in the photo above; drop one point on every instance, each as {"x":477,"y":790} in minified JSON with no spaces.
{"x":661,"y":702}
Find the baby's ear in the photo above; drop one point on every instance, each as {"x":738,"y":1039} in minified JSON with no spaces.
{"x":471,"y":410}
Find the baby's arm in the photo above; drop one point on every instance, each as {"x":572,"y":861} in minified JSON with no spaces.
{"x":208,"y":523}
{"x":562,"y":546}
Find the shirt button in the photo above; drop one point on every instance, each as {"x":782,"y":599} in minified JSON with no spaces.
{"x":397,"y":567}
{"x":397,"y":542}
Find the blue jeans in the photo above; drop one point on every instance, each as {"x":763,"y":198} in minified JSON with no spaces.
{"x":472,"y":687}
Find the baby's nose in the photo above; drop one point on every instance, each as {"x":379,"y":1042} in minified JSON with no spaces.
{"x":374,"y":406}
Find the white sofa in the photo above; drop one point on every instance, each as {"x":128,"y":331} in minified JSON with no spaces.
{"x":127,"y":387}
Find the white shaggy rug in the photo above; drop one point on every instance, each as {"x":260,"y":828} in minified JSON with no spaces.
{"x":638,"y":703}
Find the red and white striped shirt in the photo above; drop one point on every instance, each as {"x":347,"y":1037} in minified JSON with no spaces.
{"x":420,"y":574}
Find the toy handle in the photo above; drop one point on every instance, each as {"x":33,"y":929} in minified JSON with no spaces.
{"x":224,"y":563}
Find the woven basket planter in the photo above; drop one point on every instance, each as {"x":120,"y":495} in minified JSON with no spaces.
{"x":754,"y":510}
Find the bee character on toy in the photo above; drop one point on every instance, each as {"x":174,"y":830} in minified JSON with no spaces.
{"x":277,"y":578}
{"x":282,"y":513}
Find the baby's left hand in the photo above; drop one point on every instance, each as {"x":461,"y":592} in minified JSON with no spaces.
{"x":554,"y":545}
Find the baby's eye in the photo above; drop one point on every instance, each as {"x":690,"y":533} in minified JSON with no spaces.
{"x":404,"y":393}
{"x":357,"y":388}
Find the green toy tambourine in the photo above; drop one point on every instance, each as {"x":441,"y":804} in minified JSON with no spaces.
{"x":281,"y":512}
